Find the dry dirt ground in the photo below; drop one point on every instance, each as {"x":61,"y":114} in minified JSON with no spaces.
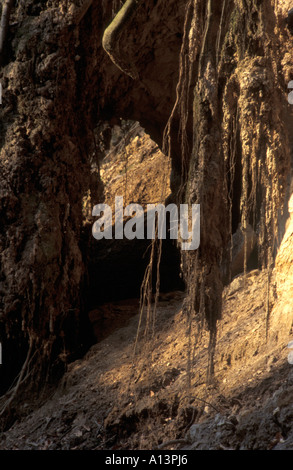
{"x":113,"y":399}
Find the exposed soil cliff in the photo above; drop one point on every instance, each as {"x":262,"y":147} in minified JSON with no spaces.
{"x":58,"y":83}
{"x":207,"y":80}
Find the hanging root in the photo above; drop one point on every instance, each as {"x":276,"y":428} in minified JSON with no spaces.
{"x":21,"y":379}
{"x":146,"y":297}
{"x":4,"y":25}
{"x":182,"y":103}
{"x":146,"y":291}
{"x":112,"y":38}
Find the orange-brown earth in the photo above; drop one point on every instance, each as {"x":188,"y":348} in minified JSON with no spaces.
{"x":113,"y":399}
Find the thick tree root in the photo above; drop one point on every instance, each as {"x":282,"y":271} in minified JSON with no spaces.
{"x":4,"y":24}
{"x":112,"y":35}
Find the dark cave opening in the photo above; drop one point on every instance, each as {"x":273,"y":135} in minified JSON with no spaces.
{"x":116,"y":268}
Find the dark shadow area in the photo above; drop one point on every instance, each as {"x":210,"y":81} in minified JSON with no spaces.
{"x":117,"y":267}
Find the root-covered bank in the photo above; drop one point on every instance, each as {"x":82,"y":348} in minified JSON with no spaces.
{"x":210,"y":88}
